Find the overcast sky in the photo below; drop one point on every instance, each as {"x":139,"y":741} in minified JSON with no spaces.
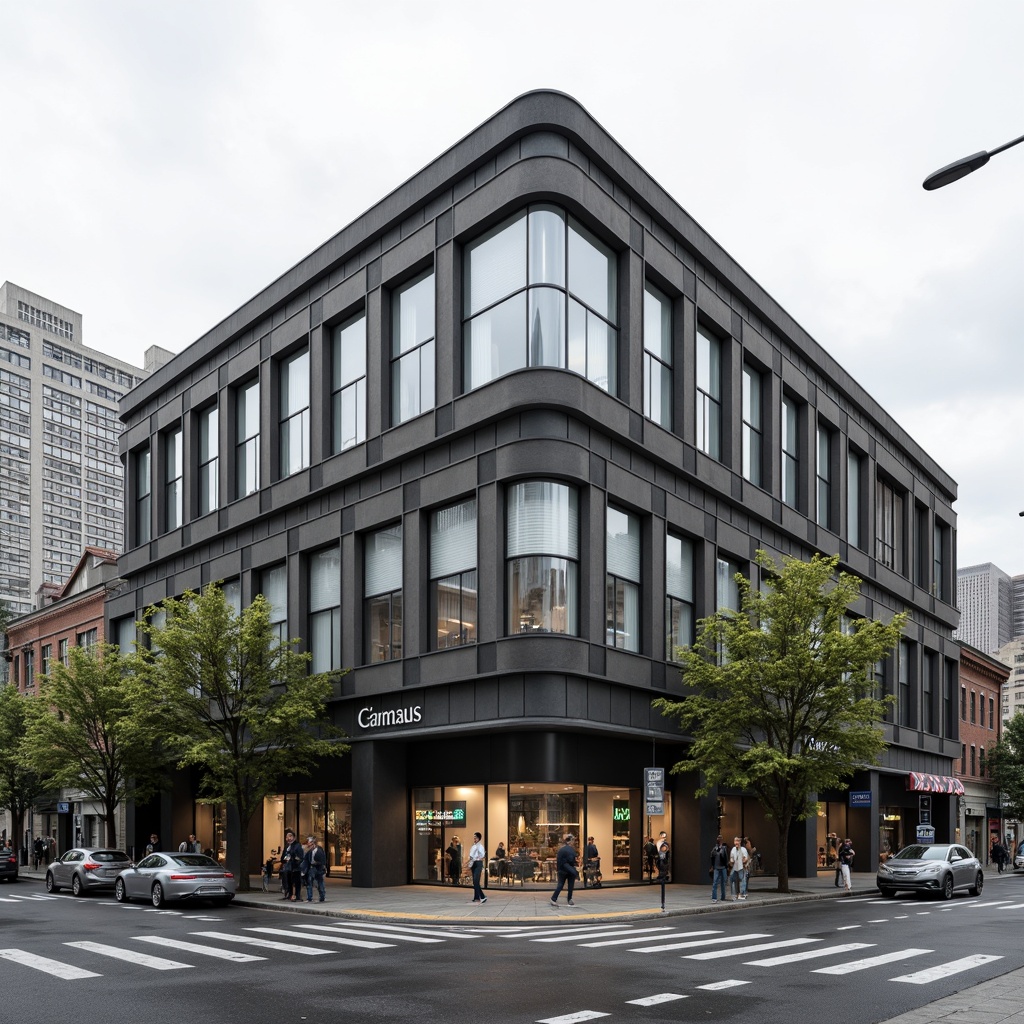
{"x":165,"y":162}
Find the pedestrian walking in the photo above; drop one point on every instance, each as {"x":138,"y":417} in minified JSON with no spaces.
{"x":314,"y":867}
{"x":454,"y":857}
{"x":190,"y":845}
{"x":565,"y":864}
{"x":477,"y":853}
{"x":718,"y":870}
{"x":37,"y":851}
{"x":291,"y":866}
{"x":846,"y":855}
{"x":591,"y":864}
{"x":738,"y":858}
{"x":650,"y":859}
{"x":153,"y":846}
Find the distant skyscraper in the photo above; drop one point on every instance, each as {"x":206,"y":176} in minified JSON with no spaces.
{"x":61,"y":480}
{"x":985,"y":595}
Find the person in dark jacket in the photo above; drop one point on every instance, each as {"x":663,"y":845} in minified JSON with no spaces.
{"x":565,"y":864}
{"x":454,"y":853}
{"x":291,"y":866}
{"x":719,"y":870}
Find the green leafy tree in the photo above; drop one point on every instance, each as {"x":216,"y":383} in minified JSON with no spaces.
{"x":94,"y":727}
{"x":1006,"y":766}
{"x":237,"y":703}
{"x":782,"y":699}
{"x":19,"y":784}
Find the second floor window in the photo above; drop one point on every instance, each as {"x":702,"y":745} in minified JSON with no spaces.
{"x":622,"y":583}
{"x":657,"y":357}
{"x":46,"y":656}
{"x":823,"y":473}
{"x":29,"y":663}
{"x":62,"y":652}
{"x":889,"y":545}
{"x":383,"y":592}
{"x":209,"y":461}
{"x":325,"y":610}
{"x":790,"y":452}
{"x":753,"y":430}
{"x":88,"y":638}
{"x":679,"y":608}
{"x":542,"y":544}
{"x":294,"y":419}
{"x":172,"y":480}
{"x":247,"y":439}
{"x":904,"y":696}
{"x":412,"y":349}
{"x":709,"y":394}
{"x":854,"y":517}
{"x":453,"y":573}
{"x":143,"y":496}
{"x":348,"y":384}
{"x":274,"y":587}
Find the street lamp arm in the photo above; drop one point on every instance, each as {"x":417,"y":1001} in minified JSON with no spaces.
{"x":962,"y":167}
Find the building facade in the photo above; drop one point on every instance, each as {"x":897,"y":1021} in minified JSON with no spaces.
{"x":60,"y":477}
{"x":496,"y":446}
{"x":982,"y":678}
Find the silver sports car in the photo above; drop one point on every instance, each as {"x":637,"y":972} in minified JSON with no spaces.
{"x":168,"y":877}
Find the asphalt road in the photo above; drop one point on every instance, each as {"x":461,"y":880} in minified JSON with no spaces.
{"x":856,"y":960}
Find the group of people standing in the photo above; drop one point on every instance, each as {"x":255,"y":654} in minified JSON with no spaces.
{"x":302,"y":866}
{"x":730,"y":868}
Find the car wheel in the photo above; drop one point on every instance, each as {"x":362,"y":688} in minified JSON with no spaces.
{"x":76,"y":886}
{"x":120,"y":893}
{"x":887,"y":892}
{"x":158,"y":895}
{"x":947,"y":888}
{"x":51,"y":885}
{"x":979,"y":884}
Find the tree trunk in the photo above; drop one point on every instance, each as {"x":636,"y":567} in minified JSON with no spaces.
{"x":110,"y":820}
{"x":243,"y":851}
{"x":783,"y":854}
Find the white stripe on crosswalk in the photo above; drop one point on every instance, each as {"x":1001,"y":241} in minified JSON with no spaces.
{"x":717,"y":954}
{"x":367,"y":933}
{"x":848,"y":928}
{"x":43,"y":963}
{"x":156,"y":963}
{"x":572,"y":1018}
{"x":662,"y":997}
{"x":718,"y":986}
{"x":195,"y":947}
{"x":564,"y":929}
{"x":966,"y":963}
{"x":701,"y":942}
{"x":808,"y":954}
{"x":340,"y":940}
{"x":405,"y":928}
{"x":623,"y":942}
{"x":992,"y":903}
{"x":251,"y":940}
{"x":570,"y":937}
{"x":871,"y":961}
{"x":1013,"y":906}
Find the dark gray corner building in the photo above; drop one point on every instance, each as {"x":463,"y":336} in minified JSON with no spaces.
{"x":496,"y":446}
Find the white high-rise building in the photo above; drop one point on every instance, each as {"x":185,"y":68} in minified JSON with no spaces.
{"x":986,"y":597}
{"x":61,"y":481}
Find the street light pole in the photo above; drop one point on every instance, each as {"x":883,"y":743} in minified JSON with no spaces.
{"x":962,"y":167}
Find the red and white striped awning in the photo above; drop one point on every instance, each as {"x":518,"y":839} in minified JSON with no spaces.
{"x":921,"y":782}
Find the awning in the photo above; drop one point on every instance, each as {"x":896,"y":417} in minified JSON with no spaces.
{"x":921,"y":782}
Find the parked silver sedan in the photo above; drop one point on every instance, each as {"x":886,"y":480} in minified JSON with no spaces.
{"x":82,"y":869}
{"x":169,"y":877}
{"x":940,"y":869}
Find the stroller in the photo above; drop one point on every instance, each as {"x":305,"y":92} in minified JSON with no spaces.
{"x":592,"y":873}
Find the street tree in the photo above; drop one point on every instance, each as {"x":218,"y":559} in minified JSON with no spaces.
{"x":1005,"y":764}
{"x":19,"y":784}
{"x":238,"y":704}
{"x":782,"y":695}
{"x":95,"y":728}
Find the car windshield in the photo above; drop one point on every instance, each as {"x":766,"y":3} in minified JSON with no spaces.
{"x":923,"y":853}
{"x":110,"y":857}
{"x":195,"y":860}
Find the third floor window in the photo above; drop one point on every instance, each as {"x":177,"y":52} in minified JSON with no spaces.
{"x":657,"y":357}
{"x":709,"y":394}
{"x":247,"y":439}
{"x":348,"y":384}
{"x":412,"y":349}
{"x":294,"y":418}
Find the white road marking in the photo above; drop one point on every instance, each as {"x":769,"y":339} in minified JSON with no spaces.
{"x":341,"y":940}
{"x":621,"y":942}
{"x":848,"y":928}
{"x":718,"y":986}
{"x":701,"y":942}
{"x":343,"y":930}
{"x":569,"y":937}
{"x":404,"y":928}
{"x":993,"y":903}
{"x":965,"y":963}
{"x":156,"y":963}
{"x":809,"y":954}
{"x":1013,"y":906}
{"x":871,"y":961}
{"x":251,"y":940}
{"x":195,"y":947}
{"x":663,"y":997}
{"x":717,"y":954}
{"x":571,"y":1018}
{"x":43,"y":963}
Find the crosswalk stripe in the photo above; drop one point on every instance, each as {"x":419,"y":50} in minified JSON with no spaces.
{"x":251,"y":940}
{"x":717,"y":954}
{"x":992,"y":903}
{"x":623,"y":942}
{"x":156,"y":963}
{"x":700,"y":942}
{"x":560,"y":930}
{"x":572,"y":1018}
{"x":340,"y":940}
{"x":945,"y":970}
{"x":662,"y":997}
{"x":405,"y":928}
{"x":871,"y":961}
{"x":718,"y":986}
{"x":585,"y":935}
{"x":1013,"y":906}
{"x":808,"y":954}
{"x":342,"y":930}
{"x":43,"y":963}
{"x":195,"y":947}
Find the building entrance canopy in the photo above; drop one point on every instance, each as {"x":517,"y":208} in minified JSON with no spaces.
{"x":921,"y":782}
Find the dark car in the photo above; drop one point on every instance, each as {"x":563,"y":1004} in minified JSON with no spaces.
{"x":170,"y":877}
{"x":8,"y":864}
{"x":82,"y":869}
{"x":941,"y":869}
{"x":1018,"y":857}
